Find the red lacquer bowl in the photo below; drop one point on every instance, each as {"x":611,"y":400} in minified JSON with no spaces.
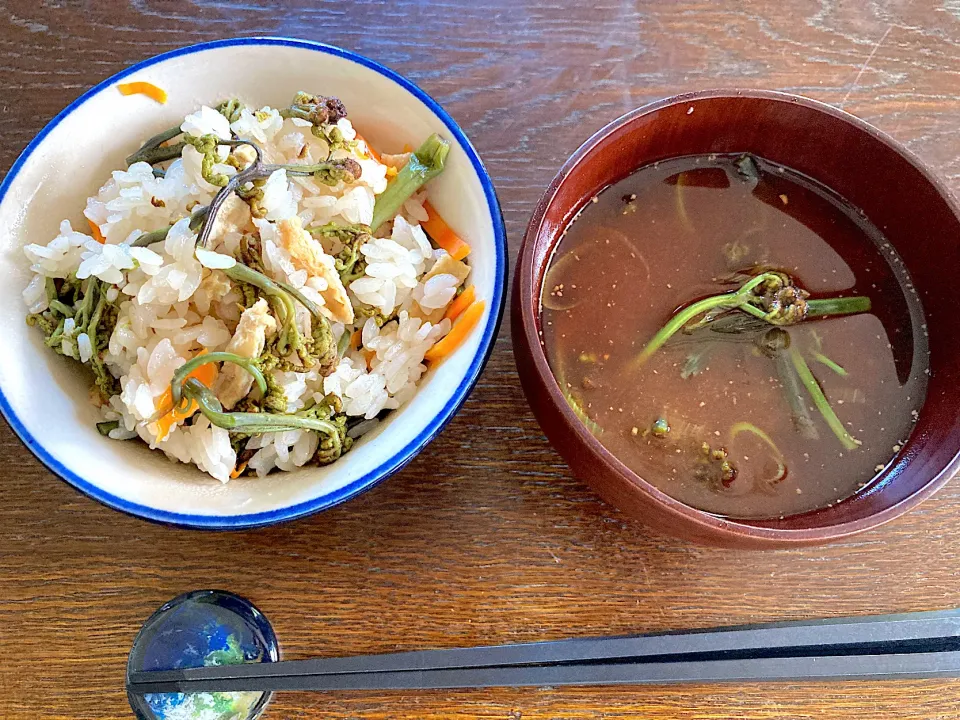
{"x":868,"y":168}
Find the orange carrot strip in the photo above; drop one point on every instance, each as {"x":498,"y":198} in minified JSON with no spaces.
{"x":391,"y":171}
{"x":205,"y":374}
{"x":95,"y":229}
{"x":238,"y":470}
{"x":370,"y":151}
{"x":407,"y":147}
{"x":442,"y":234}
{"x":445,"y":347}
{"x":355,"y":339}
{"x":143,"y":88}
{"x":460,"y":303}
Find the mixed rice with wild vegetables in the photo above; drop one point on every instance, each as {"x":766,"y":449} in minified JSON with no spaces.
{"x":256,"y":289}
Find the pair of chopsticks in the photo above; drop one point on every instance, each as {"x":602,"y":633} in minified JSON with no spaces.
{"x":912,"y":645}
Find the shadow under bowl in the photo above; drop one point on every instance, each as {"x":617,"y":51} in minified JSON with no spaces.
{"x":871,"y":171}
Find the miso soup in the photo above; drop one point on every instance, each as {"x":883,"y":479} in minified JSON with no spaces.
{"x":736,"y":334}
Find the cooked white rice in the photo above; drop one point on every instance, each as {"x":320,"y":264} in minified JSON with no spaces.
{"x":174,"y":302}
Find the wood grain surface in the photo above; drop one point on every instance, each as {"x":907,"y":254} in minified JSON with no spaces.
{"x":486,"y":537}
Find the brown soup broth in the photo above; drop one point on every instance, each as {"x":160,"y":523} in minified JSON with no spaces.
{"x":681,"y":230}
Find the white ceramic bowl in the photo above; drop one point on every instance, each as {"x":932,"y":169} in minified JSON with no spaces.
{"x":44,"y":397}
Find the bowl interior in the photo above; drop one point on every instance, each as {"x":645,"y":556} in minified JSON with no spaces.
{"x":861,"y":164}
{"x":44,"y":396}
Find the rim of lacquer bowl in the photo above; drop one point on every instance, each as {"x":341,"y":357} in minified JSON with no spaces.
{"x":719,"y":528}
{"x":398,"y":459}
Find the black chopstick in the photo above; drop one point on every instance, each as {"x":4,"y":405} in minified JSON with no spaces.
{"x":885,"y":634}
{"x":860,"y":667}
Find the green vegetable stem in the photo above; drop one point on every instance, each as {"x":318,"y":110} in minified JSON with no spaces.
{"x":320,"y":347}
{"x":770,"y":296}
{"x":820,"y":401}
{"x":251,"y":423}
{"x":425,"y":164}
{"x":180,"y":375}
{"x":676,"y":323}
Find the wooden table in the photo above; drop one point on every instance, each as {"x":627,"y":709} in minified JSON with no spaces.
{"x":486,"y":537}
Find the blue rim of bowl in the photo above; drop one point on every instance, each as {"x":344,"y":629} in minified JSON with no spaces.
{"x":400,"y":458}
